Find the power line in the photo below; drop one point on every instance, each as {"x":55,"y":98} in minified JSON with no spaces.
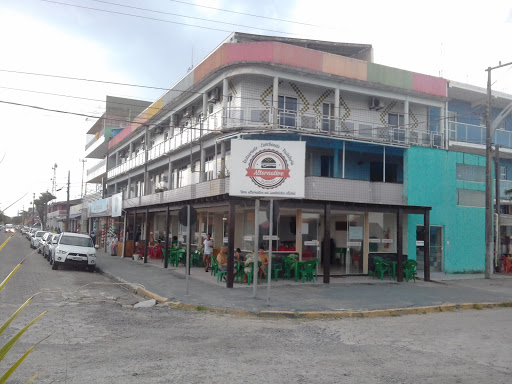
{"x":192,"y":17}
{"x":247,"y":14}
{"x":144,"y":17}
{"x":82,"y":79}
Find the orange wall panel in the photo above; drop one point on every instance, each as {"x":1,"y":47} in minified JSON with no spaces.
{"x":212,"y":62}
{"x":263,"y":51}
{"x":297,"y":57}
{"x":344,"y":66}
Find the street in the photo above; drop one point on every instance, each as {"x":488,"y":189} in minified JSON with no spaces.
{"x":96,"y":336}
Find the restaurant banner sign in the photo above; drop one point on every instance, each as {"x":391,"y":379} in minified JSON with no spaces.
{"x":272,"y":169}
{"x":100,"y":208}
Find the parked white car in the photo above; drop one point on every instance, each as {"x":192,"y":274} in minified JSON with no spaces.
{"x":74,"y":249}
{"x":42,"y":242}
{"x":34,"y":240}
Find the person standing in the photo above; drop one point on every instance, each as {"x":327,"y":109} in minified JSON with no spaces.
{"x":207,"y":251}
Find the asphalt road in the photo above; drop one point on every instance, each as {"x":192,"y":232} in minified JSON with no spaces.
{"x":96,"y":336}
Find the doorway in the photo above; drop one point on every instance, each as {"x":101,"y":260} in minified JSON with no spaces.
{"x":436,"y":247}
{"x":347,"y":244}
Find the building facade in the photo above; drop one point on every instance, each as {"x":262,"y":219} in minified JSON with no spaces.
{"x":387,"y":153}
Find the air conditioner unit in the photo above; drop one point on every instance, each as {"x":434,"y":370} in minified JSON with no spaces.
{"x":213,"y":95}
{"x":375,"y":104}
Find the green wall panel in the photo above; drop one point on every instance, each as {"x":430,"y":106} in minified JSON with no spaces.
{"x":430,"y":179}
{"x":389,"y":76}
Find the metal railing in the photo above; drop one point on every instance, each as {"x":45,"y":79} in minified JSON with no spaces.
{"x":93,"y":169}
{"x":134,"y":162}
{"x":475,"y":134}
{"x":95,"y":138}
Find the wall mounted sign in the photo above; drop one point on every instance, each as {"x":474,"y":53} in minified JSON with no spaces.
{"x":267,"y":169}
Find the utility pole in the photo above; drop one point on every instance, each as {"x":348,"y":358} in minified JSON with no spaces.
{"x":82,"y":187}
{"x":67,"y":205}
{"x":489,"y":243}
{"x":33,"y":208}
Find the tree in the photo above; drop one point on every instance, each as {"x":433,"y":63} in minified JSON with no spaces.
{"x":41,"y":205}
{"x":3,"y":218}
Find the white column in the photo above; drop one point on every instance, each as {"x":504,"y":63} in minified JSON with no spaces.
{"x":202,"y":174}
{"x":275,"y":101}
{"x":406,"y":120}
{"x":205,"y":111}
{"x":337,"y":109}
{"x":225,"y":90}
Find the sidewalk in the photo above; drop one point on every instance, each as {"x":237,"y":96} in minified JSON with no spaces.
{"x":342,"y":295}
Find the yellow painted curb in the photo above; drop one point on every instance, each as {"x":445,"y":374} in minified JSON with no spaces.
{"x":144,"y":292}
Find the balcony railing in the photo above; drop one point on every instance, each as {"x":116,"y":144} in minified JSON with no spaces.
{"x":94,"y":168}
{"x":332,"y":126}
{"x":262,"y":118}
{"x":475,"y":134}
{"x":95,"y":138}
{"x":129,"y":164}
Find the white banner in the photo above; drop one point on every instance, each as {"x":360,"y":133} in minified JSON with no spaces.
{"x":267,"y":169}
{"x":117,"y":205}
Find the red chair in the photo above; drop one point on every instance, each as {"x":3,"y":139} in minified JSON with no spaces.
{"x":508,"y":265}
{"x":158,"y":251}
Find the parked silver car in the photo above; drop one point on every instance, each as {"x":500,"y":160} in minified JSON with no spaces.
{"x":34,"y":240}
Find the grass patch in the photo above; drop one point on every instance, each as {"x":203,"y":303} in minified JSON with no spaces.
{"x":200,"y":308}
{"x":478,"y":307}
{"x":506,"y":305}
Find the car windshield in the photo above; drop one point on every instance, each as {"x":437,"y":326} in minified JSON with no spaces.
{"x":40,"y":233}
{"x":78,"y":241}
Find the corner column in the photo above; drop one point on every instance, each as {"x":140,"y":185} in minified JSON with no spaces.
{"x":327,"y":243}
{"x":275,"y":102}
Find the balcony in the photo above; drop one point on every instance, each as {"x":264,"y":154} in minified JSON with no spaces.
{"x":312,"y":123}
{"x":134,"y":162}
{"x":95,"y":173}
{"x":317,"y":188}
{"x":97,"y":147}
{"x":475,"y":134}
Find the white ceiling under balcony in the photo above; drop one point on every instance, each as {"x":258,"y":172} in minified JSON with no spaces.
{"x":97,"y":149}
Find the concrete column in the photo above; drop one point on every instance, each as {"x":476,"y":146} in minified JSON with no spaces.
{"x":337,"y":109}
{"x":169,"y":175}
{"x":205,"y":111}
{"x":366,"y":242}
{"x":406,"y":120}
{"x":129,"y":190}
{"x":275,"y":102}
{"x":130,"y":151}
{"x":298,"y":233}
{"x":202,"y":173}
{"x":223,"y":158}
{"x":117,"y":158}
{"x":336,"y":161}
{"x":115,"y":188}
{"x":225,"y":90}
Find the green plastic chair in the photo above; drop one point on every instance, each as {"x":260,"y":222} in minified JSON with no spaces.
{"x":195,"y":259}
{"x":289,"y":265}
{"x":215,"y":267}
{"x":181,"y":256}
{"x":220,"y":275}
{"x":410,"y":269}
{"x":380,"y":268}
{"x":250,"y":274}
{"x":308,"y":271}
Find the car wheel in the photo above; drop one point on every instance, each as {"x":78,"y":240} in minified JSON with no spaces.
{"x":50,"y":260}
{"x":55,"y":266}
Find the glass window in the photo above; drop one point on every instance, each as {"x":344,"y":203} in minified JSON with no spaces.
{"x":287,"y":110}
{"x":470,"y":198}
{"x":77,"y":241}
{"x":382,"y":232}
{"x":503,"y":172}
{"x":466,"y":172}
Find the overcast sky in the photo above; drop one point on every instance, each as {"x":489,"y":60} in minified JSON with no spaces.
{"x":453,"y":39}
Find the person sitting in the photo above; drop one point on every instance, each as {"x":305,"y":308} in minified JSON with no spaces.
{"x":222,"y":260}
{"x":237,"y":254}
{"x":263,"y":256}
{"x":174,"y":242}
{"x":248,"y":269}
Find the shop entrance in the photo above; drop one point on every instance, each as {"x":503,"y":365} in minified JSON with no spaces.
{"x":436,"y":247}
{"x":347,"y":231}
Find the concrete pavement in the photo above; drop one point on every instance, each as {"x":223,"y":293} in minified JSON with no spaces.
{"x":345,"y":296}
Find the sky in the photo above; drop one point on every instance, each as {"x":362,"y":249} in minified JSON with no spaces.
{"x":453,"y":39}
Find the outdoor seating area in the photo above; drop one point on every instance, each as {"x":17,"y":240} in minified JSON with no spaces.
{"x":387,"y":268}
{"x":288,"y":268}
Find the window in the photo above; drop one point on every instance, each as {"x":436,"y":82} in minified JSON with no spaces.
{"x":287,"y":111}
{"x":470,"y":198}
{"x":396,"y":121}
{"x":182,"y":176}
{"x":77,"y":241}
{"x":208,"y":168}
{"x":326,"y":166}
{"x":466,"y":172}
{"x":376,"y":172}
{"x":503,"y":172}
{"x":328,"y":121}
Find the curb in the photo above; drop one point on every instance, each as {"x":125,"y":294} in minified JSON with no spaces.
{"x":392,"y":312}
